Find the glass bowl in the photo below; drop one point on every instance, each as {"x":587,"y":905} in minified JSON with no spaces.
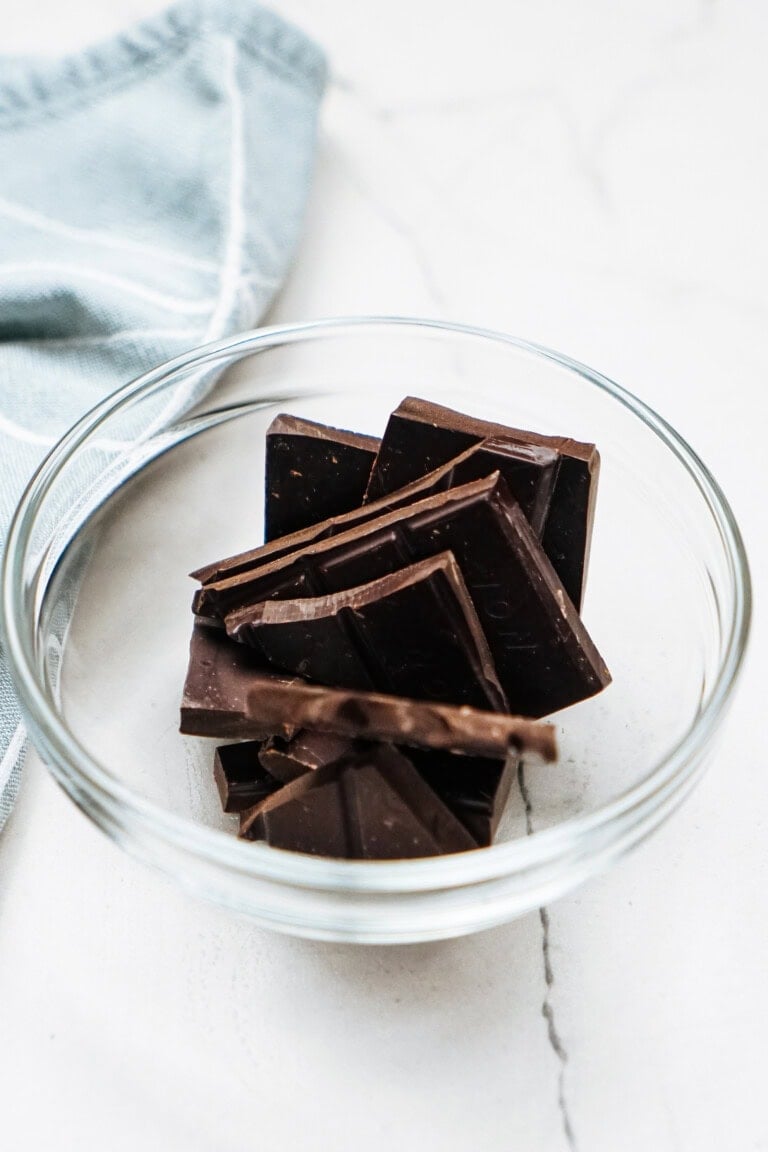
{"x":167,"y":474}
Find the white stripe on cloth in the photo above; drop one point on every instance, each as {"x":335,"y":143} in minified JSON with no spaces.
{"x":12,"y":753}
{"x":231,"y":271}
{"x":122,"y":283}
{"x":43,"y":223}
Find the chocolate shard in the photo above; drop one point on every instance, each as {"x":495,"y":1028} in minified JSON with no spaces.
{"x":227,"y":694}
{"x":307,"y":815}
{"x":545,"y":659}
{"x":241,"y":780}
{"x":397,"y":815}
{"x":216,"y":598}
{"x":529,"y":471}
{"x":411,"y":633}
{"x":373,"y":805}
{"x":421,"y":436}
{"x":286,"y":760}
{"x":312,"y":472}
{"x":474,"y":788}
{"x":220,"y":681}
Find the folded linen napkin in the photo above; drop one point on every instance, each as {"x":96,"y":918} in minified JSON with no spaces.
{"x":151,"y":192}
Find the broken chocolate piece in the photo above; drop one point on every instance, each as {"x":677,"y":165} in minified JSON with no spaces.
{"x":529,"y":472}
{"x":286,"y":760}
{"x":475,"y":788}
{"x":312,"y":472}
{"x":227,"y":694}
{"x":241,"y":780}
{"x":307,"y":815}
{"x":412,"y":633}
{"x":544,"y":657}
{"x":397,"y":813}
{"x":373,"y":805}
{"x":261,"y":582}
{"x":420,"y":436}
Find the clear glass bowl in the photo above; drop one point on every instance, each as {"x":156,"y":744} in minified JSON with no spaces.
{"x":167,"y":474}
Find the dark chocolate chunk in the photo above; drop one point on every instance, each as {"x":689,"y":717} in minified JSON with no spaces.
{"x":412,"y":633}
{"x":264,"y":581}
{"x":312,"y":472}
{"x":227,"y":694}
{"x":286,"y":760}
{"x":397,"y":813}
{"x":544,"y":657}
{"x":475,"y":788}
{"x":372,"y":806}
{"x":241,"y":780}
{"x":308,"y":815}
{"x":421,"y":436}
{"x":218,"y":689}
{"x":529,"y":472}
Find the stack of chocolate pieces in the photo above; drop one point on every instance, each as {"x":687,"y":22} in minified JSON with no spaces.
{"x":388,"y":654}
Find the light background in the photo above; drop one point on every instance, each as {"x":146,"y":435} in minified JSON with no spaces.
{"x":592,"y":176}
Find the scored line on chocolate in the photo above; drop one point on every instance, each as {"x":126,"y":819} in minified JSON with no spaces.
{"x":227,"y":695}
{"x":529,"y":471}
{"x":413,"y":632}
{"x":421,"y":435}
{"x":544,"y":657}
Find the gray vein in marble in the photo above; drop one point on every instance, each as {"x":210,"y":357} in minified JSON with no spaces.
{"x":402,"y":229}
{"x":449,"y":106}
{"x":631,"y":100}
{"x":509,"y":101}
{"x":691,"y":28}
{"x":674,"y":1131}
{"x":547,"y":1007}
{"x":661,"y":281}
{"x":586,"y":146}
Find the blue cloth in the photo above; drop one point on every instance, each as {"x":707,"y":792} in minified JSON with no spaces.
{"x":151,"y":193}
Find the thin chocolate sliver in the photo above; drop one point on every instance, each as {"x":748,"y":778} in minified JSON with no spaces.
{"x":529,"y":471}
{"x":412,"y":633}
{"x":421,"y":436}
{"x":312,"y":472}
{"x":544,"y":657}
{"x":307,"y":815}
{"x":228,"y":694}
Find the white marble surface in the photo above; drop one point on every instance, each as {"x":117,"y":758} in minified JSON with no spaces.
{"x":592,"y":176}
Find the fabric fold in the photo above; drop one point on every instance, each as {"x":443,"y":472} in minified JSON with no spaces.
{"x":151,"y":196}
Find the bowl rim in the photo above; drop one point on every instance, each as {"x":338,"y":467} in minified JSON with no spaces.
{"x":111,"y":803}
